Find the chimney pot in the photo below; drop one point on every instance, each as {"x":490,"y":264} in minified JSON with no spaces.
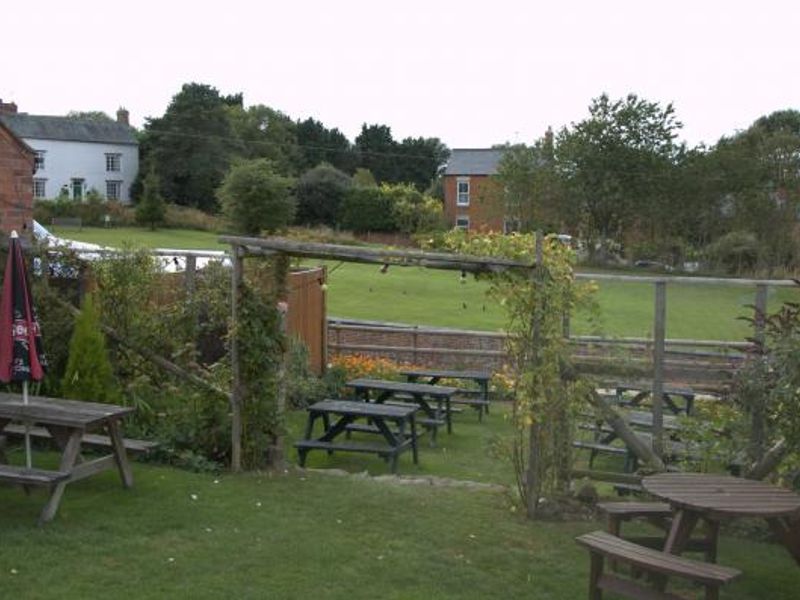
{"x":123,"y":116}
{"x":8,"y":108}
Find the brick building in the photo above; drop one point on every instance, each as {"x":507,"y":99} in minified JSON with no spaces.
{"x":470,"y":194}
{"x":16,"y":182}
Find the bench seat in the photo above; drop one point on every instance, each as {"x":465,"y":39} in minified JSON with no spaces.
{"x":25,"y":476}
{"x":658,"y":564}
{"x":92,"y":439}
{"x":349,"y":446}
{"x":598,"y":447}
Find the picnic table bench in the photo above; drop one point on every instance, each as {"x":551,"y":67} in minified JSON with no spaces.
{"x":659,"y":565}
{"x":670,"y":393}
{"x":346,"y":412}
{"x":66,"y":421}
{"x":478,"y":399}
{"x":420,"y":394}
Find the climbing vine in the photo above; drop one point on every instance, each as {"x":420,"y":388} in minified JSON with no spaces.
{"x":546,"y":390}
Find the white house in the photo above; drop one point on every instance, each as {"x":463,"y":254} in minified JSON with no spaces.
{"x":78,"y":155}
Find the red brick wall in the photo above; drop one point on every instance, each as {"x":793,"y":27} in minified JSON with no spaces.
{"x":485,"y":211}
{"x":16,"y":185}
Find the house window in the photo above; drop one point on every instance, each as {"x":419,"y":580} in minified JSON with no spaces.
{"x":39,"y":188}
{"x":113,"y":162}
{"x":38,"y":161}
{"x":113,"y":190}
{"x":462,"y":223}
{"x":462,"y":188}
{"x":77,"y":189}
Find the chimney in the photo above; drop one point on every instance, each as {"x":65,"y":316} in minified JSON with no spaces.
{"x":123,"y":117}
{"x":8,"y":108}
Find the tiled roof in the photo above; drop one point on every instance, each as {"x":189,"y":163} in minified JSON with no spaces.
{"x":474,"y":161}
{"x":68,"y":129}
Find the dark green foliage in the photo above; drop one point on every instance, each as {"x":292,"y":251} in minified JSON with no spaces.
{"x":319,"y":194}
{"x":267,"y":133}
{"x":321,"y":145}
{"x":192,"y":145}
{"x":255,"y":198}
{"x":367,"y":209}
{"x":89,"y":375}
{"x":151,"y":209}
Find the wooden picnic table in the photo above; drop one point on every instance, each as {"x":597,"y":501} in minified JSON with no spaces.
{"x":644,"y":390}
{"x":434,"y":376}
{"x":346,"y":412}
{"x":713,"y":498}
{"x":380,"y":391}
{"x":67,"y":421}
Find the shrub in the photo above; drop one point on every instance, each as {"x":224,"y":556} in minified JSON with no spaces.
{"x":89,"y":375}
{"x":255,"y":198}
{"x":186,"y":217}
{"x":367,"y":209}
{"x":319,"y":193}
{"x":735,"y":252}
{"x":413,"y":211}
{"x":151,"y":210}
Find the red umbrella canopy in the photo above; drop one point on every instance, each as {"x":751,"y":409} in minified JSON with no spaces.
{"x":21,"y":354}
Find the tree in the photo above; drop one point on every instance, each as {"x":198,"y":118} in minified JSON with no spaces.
{"x":378,"y":152}
{"x":89,"y":375}
{"x":530,"y":189}
{"x":364,"y":178}
{"x":618,"y":165}
{"x":267,"y":133}
{"x":419,"y":161}
{"x":91,"y":115}
{"x":319,"y":144}
{"x":255,"y":198}
{"x":367,"y":209}
{"x":319,"y":194}
{"x":412,"y":210}
{"x":192,"y":145}
{"x":150,"y":210}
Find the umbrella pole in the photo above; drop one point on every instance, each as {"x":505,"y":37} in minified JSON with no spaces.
{"x":27,"y":425}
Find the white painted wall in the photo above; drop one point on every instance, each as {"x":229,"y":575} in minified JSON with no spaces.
{"x":65,"y":160}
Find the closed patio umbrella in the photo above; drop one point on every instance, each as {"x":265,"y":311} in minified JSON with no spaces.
{"x":21,"y":355}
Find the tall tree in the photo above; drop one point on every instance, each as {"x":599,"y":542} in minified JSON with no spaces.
{"x":192,"y":145}
{"x":617,"y":165}
{"x":378,"y":152}
{"x":150,"y":209}
{"x":321,"y":145}
{"x":319,"y":193}
{"x":267,"y":133}
{"x":419,"y":161}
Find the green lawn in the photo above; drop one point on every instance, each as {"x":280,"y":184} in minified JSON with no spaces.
{"x":438,"y":298}
{"x":307,"y":535}
{"x":185,"y":239}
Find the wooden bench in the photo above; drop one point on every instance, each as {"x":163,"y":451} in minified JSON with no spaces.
{"x":658,"y":514}
{"x":26,"y":477}
{"x":67,"y":222}
{"x":659,"y":565}
{"x":92,"y":439}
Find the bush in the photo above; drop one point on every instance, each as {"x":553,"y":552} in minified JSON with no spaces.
{"x":255,"y":198}
{"x":413,"y":212}
{"x":319,"y":193}
{"x":735,"y":252}
{"x":186,"y":217}
{"x":89,"y":375}
{"x":367,"y":209}
{"x":151,"y":210}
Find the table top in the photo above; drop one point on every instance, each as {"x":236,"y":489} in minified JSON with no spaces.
{"x":425,"y":389}
{"x":645,"y":419}
{"x":723,"y":495}
{"x":57,"y":411}
{"x":448,"y":374}
{"x":367,"y":409}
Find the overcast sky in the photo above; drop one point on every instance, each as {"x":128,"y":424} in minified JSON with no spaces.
{"x":471,"y":73}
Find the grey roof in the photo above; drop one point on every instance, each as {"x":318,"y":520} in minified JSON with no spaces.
{"x":473,"y":161}
{"x":65,"y":128}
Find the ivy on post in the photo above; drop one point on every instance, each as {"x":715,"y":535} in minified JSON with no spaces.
{"x":237,"y":280}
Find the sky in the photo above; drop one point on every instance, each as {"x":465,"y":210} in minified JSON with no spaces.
{"x":470,"y":73}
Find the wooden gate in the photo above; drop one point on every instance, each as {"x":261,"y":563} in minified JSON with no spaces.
{"x":306,"y":317}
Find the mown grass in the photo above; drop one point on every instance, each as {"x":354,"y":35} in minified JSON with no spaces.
{"x":307,"y":535}
{"x":439,"y":298}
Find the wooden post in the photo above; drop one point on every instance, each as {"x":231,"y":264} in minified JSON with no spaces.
{"x":190,"y":274}
{"x":275,"y":457}
{"x":237,"y":279}
{"x":758,"y":424}
{"x":532,"y":483}
{"x":659,"y":338}
{"x":324,"y":325}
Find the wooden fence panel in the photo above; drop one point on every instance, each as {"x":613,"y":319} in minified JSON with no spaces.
{"x":306,"y":318}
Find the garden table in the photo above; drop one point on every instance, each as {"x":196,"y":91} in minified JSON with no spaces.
{"x":346,"y":412}
{"x":66,"y":421}
{"x":380,"y":390}
{"x":713,"y":498}
{"x":434,"y":376}
{"x":669,"y":393}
